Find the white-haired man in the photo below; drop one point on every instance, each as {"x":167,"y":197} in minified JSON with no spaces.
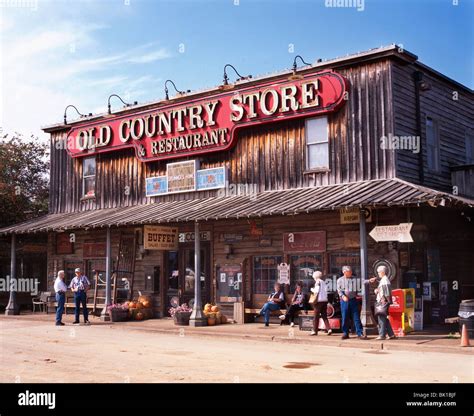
{"x":60,"y":288}
{"x":347,"y":286}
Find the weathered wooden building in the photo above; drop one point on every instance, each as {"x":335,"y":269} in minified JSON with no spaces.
{"x":274,"y":170}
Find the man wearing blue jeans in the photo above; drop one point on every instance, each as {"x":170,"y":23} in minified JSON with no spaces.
{"x":60,"y":288}
{"x":80,"y":285}
{"x":275,"y":301}
{"x":347,"y":290}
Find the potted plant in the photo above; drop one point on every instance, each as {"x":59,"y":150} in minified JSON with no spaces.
{"x":181,"y":314}
{"x":118,"y":312}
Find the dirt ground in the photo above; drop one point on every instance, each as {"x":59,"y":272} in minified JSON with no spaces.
{"x":34,"y":350}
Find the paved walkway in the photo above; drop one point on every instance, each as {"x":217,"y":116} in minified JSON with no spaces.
{"x":433,"y":341}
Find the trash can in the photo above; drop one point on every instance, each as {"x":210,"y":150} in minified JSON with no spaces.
{"x":402,"y":311}
{"x":466,"y":316}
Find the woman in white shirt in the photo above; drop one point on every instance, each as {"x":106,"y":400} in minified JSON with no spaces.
{"x":321,"y":303}
{"x":384,"y":297}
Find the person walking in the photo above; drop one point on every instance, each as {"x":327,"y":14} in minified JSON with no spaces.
{"x":275,"y":301}
{"x":60,"y":288}
{"x":383,"y":301}
{"x":347,"y":291}
{"x":298,"y":303}
{"x":80,"y":285}
{"x":320,"y":303}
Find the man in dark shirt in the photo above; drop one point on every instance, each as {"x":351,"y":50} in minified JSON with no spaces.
{"x":275,"y":301}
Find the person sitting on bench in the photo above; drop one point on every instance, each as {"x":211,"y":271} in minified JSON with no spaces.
{"x":298,"y":303}
{"x":275,"y":301}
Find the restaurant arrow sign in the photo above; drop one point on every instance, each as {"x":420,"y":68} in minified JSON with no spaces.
{"x":178,"y":128}
{"x":400,"y":233}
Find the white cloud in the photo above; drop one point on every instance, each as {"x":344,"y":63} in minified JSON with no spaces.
{"x":44,"y":68}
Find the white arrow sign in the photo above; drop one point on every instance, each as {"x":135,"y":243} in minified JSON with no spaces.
{"x":400,"y":232}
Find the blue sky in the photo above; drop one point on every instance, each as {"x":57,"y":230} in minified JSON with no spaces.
{"x":79,"y":52}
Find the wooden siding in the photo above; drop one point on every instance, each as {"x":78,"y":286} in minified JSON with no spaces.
{"x":454,"y":117}
{"x":270,"y":157}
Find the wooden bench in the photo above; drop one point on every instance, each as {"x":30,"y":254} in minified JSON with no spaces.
{"x":255,"y":311}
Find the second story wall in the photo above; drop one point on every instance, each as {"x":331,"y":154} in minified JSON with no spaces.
{"x":270,"y":156}
{"x":445,"y":107}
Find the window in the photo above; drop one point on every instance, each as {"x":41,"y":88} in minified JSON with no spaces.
{"x":265,"y":273}
{"x":302,"y":268}
{"x":317,"y":143}
{"x":432,"y":144}
{"x":470,"y":147}
{"x":88,"y":176}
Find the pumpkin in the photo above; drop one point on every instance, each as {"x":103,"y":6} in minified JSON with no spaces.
{"x":144,"y":298}
{"x":139,"y":305}
{"x":146,"y":303}
{"x":132,"y":305}
{"x":139,"y":316}
{"x":215,"y":308}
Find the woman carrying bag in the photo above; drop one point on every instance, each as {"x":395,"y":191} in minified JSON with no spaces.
{"x":319,"y":300}
{"x":382,"y":305}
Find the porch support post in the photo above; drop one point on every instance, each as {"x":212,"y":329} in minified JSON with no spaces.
{"x":197,"y":316}
{"x":105,"y":315}
{"x":366,"y":313}
{"x":12,"y":307}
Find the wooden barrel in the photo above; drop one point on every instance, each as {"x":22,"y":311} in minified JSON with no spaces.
{"x":466,"y":316}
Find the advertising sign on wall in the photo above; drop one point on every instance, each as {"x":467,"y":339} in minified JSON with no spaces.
{"x":160,"y":238}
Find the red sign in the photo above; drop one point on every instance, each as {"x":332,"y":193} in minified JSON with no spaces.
{"x":305,"y":242}
{"x":208,"y":124}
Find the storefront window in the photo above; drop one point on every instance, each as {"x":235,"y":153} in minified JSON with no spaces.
{"x":173,"y":270}
{"x":317,"y":143}
{"x":302,"y":268}
{"x":338,"y":260}
{"x":88,"y":176}
{"x":265,"y":273}
{"x":189,"y":275}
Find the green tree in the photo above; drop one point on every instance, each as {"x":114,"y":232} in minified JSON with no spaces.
{"x":24,"y":178}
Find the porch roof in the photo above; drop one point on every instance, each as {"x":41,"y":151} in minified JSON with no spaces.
{"x":373,"y":193}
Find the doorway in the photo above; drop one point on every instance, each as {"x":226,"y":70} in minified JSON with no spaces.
{"x":180,"y":278}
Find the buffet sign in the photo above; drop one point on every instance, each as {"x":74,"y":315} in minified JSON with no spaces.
{"x":178,"y":128}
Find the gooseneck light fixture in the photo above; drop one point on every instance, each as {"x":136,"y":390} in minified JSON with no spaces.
{"x":77,"y":111}
{"x":174,"y":86}
{"x":294,"y":63}
{"x":124,"y":103}
{"x":226,"y":78}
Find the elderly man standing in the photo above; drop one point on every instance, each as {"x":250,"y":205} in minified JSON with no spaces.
{"x":60,"y":288}
{"x":347,"y":286}
{"x":80,"y":285}
{"x":384,"y":299}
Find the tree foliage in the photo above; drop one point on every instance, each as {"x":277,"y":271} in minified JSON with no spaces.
{"x":24,"y":178}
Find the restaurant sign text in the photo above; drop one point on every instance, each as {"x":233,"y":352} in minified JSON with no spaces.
{"x":188,"y":128}
{"x":160,"y":238}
